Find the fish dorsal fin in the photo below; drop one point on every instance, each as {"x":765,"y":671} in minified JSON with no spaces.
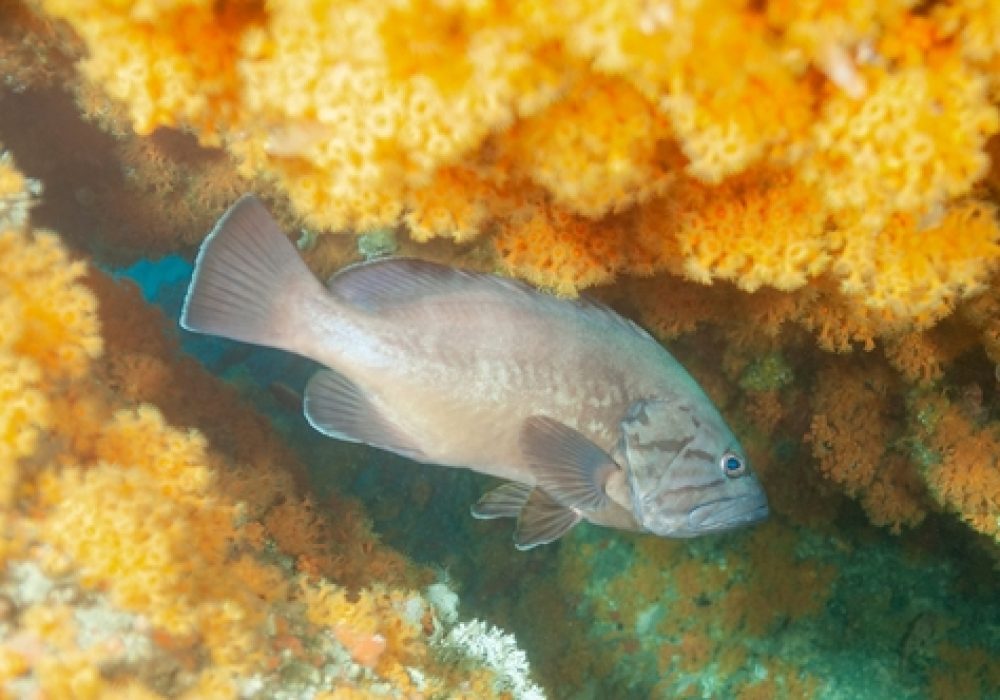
{"x":505,"y":501}
{"x":568,"y":466}
{"x":398,"y":281}
{"x":543,"y":520}
{"x":393,"y":282}
{"x":335,"y":406}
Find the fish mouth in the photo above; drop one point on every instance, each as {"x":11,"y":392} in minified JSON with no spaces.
{"x":728,"y":513}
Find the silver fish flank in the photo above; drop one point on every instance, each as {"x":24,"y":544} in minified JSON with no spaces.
{"x":582,"y":413}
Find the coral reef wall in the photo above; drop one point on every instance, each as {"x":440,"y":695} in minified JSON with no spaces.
{"x":833,"y":162}
{"x":144,"y":557}
{"x":798,"y":198}
{"x":773,"y":144}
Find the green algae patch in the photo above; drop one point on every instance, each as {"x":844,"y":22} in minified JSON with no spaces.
{"x":769,"y":373}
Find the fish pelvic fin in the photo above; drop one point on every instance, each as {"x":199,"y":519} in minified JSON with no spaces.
{"x":568,"y":466}
{"x":337,"y":407}
{"x":543,"y":520}
{"x":249,"y":283}
{"x":505,"y":501}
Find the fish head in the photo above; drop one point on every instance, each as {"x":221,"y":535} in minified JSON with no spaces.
{"x":688,"y":474}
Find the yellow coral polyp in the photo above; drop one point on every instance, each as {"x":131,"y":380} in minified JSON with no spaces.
{"x":372,"y":628}
{"x":356,"y":113}
{"x":48,"y":333}
{"x":913,"y":142}
{"x":24,"y":409}
{"x":681,"y":55}
{"x":159,"y":539}
{"x":458,"y":118}
{"x":454,"y":205}
{"x":920,"y":273}
{"x":140,"y":437}
{"x":576,"y":253}
{"x":58,"y":327}
{"x":760,"y":228}
{"x":172,"y":62}
{"x":602,"y":147}
{"x":966,"y":480}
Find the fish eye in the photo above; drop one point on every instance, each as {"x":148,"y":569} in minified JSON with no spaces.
{"x":732,"y":465}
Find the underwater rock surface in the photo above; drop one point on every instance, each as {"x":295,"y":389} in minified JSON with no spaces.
{"x":810,"y":228}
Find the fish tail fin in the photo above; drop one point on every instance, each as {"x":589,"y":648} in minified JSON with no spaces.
{"x":249,"y":281}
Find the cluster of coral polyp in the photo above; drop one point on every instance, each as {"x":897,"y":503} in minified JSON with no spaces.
{"x":826,"y":168}
{"x":142,"y":557}
{"x":770,"y":144}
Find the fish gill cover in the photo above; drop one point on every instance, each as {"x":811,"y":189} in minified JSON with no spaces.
{"x":799,"y":198}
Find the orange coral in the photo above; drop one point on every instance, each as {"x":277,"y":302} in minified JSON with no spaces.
{"x":48,"y":329}
{"x":919,"y":273}
{"x":599,"y":149}
{"x":166,"y":172}
{"x":983,"y":313}
{"x":913,"y":142}
{"x":835,"y":123}
{"x":696,"y":171}
{"x":763,"y":227}
{"x":851,"y":433}
{"x":153,"y":523}
{"x":154,"y":56}
{"x":33,"y":51}
{"x":57,"y":327}
{"x":838,"y":324}
{"x":765,"y":410}
{"x":972,"y":23}
{"x":372,"y":627}
{"x":376,"y":114}
{"x":800,"y":586}
{"x":160,"y":542}
{"x":455,"y":204}
{"x":562,"y":252}
{"x":964,"y":477}
{"x":922,"y":357}
{"x":680,"y":306}
{"x":680,"y":57}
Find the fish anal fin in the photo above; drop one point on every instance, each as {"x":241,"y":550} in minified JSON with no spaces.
{"x":337,"y":407}
{"x":543,"y":520}
{"x":568,"y":466}
{"x":505,"y":501}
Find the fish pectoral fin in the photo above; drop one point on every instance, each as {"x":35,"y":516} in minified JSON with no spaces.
{"x":543,"y":520}
{"x":568,"y":466}
{"x":337,"y":407}
{"x":505,"y":501}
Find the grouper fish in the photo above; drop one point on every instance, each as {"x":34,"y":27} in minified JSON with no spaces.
{"x":580,"y":411}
